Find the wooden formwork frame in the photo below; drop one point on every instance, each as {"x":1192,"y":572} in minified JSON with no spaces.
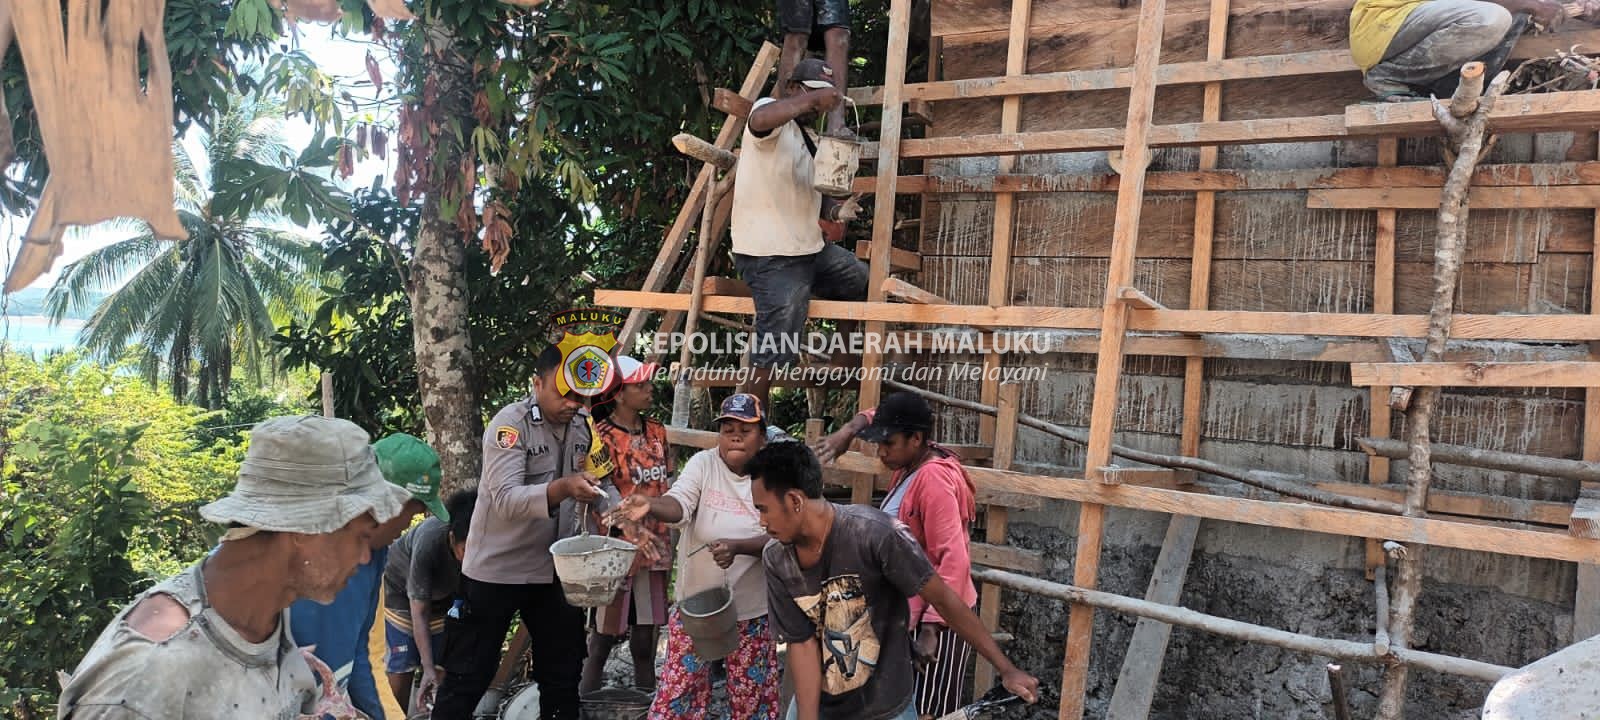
{"x":1127,"y":309}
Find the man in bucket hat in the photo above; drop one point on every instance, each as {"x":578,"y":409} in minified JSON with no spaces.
{"x":339,"y":630}
{"x":214,"y":640}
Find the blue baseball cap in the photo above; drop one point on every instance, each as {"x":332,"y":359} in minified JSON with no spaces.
{"x":743,"y":407}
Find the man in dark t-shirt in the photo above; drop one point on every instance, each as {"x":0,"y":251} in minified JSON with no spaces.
{"x":419,"y":585}
{"x":838,"y":580}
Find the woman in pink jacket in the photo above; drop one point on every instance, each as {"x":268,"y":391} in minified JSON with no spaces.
{"x":933,"y":497}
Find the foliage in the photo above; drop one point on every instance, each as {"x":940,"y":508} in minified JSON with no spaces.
{"x":221,"y":292}
{"x":102,"y":480}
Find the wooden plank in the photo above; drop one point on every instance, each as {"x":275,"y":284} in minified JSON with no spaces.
{"x":1007,"y":558}
{"x":899,"y":260}
{"x":1226,"y":132}
{"x":1379,"y":420}
{"x":1472,"y":505}
{"x":1016,"y":85}
{"x":888,"y":174}
{"x":727,"y":286}
{"x":1290,"y":516}
{"x":1512,"y":113}
{"x":1485,"y":198}
{"x":1108,"y":367}
{"x":1141,"y":666}
{"x":1004,"y":235}
{"x":1134,"y":297}
{"x":732,"y":103}
{"x":1462,"y":374}
{"x":1008,"y":406}
{"x":1585,"y":515}
{"x":1539,"y":328}
{"x":901,"y":291}
{"x":672,"y":244}
{"x":1505,"y":175}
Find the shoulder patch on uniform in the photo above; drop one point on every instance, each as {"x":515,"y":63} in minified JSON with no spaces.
{"x":505,"y":437}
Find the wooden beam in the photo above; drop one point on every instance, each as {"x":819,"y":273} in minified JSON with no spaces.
{"x":1108,"y":367}
{"x":1290,"y":516}
{"x":725,"y":286}
{"x":1141,"y":666}
{"x":732,"y":103}
{"x":1134,"y":297}
{"x":902,"y":291}
{"x":899,"y":260}
{"x":1146,"y":477}
{"x":1481,"y":198}
{"x":672,"y":244}
{"x":1460,"y":374}
{"x":1260,"y":67}
{"x":1006,"y":557}
{"x":1586,"y":599}
{"x":1471,"y":505}
{"x":888,"y":174}
{"x":1532,"y":328}
{"x":1585,"y":519}
{"x":1009,"y":401}
{"x":1512,"y":113}
{"x":703,"y":151}
{"x":1379,"y":421}
{"x":1226,"y":132}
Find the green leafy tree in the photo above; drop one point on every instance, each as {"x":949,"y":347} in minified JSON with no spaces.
{"x":196,"y":307}
{"x":101,"y":478}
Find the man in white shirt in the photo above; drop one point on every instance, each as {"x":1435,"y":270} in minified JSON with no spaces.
{"x":778,"y":244}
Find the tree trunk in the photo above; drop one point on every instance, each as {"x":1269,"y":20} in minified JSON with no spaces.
{"x":446,"y":370}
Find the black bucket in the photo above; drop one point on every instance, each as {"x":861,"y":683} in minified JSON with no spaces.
{"x":614,"y":704}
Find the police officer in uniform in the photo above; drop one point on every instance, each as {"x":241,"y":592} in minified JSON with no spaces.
{"x":533,"y":487}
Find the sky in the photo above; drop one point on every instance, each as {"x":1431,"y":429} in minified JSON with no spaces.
{"x":336,"y":56}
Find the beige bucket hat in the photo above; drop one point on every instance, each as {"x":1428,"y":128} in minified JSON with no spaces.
{"x":307,"y":474}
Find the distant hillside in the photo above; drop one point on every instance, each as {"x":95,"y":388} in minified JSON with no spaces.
{"x":31,"y":302}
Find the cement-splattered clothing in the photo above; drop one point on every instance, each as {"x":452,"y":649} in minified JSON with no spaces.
{"x":205,"y":670}
{"x":1434,"y":40}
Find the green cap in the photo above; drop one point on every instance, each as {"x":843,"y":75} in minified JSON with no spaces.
{"x":408,"y":462}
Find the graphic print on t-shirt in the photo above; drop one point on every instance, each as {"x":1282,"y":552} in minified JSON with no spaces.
{"x":844,"y":626}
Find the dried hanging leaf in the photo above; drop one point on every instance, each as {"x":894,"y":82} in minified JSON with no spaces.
{"x":374,"y":73}
{"x":380,"y":142}
{"x":361,"y":136}
{"x":107,"y":132}
{"x":496,"y":235}
{"x":480,"y":109}
{"x":347,"y":162}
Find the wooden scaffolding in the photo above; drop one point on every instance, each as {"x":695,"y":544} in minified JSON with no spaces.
{"x":1135,"y":321}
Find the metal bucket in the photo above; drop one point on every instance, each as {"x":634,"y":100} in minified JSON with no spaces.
{"x":834,"y":168}
{"x":592,"y":568}
{"x":614,"y":704}
{"x":711,"y":622}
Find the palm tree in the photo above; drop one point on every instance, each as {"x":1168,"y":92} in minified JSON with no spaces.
{"x":193,"y":307}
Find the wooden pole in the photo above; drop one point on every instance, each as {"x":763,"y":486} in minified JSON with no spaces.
{"x":996,"y":520}
{"x":327,"y":394}
{"x":1341,"y":649}
{"x":1108,"y":368}
{"x":1581,"y":470}
{"x":703,"y":151}
{"x":1586,"y":600}
{"x":1341,"y":697}
{"x":1380,"y":422}
{"x":1449,"y":248}
{"x":702,"y":258}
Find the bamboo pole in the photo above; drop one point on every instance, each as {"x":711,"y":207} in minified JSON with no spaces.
{"x":681,"y":391}
{"x":1467,"y":134}
{"x":1239,"y":630}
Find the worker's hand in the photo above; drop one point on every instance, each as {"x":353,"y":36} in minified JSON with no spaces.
{"x":650,"y":547}
{"x":427,"y":685}
{"x":583,"y":487}
{"x":1021,"y":684}
{"x":925,"y":651}
{"x":1548,"y":13}
{"x":825,"y":99}
{"x":633,"y":509}
{"x":832,"y":446}
{"x":849,"y":210}
{"x":723,"y":552}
